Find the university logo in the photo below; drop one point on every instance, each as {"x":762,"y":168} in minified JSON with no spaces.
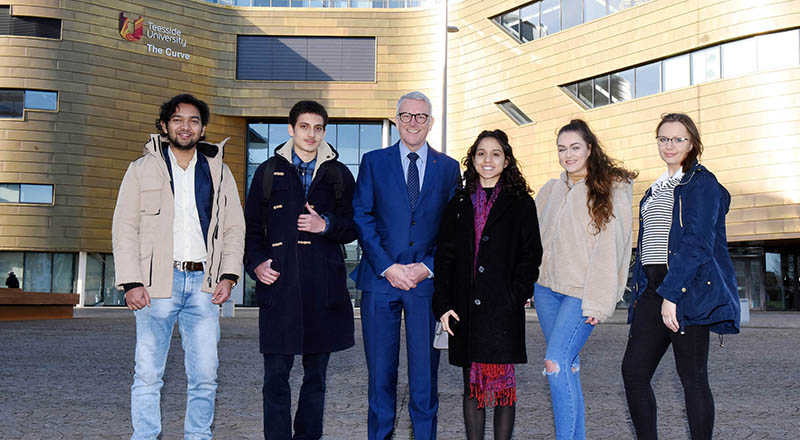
{"x":131,"y":31}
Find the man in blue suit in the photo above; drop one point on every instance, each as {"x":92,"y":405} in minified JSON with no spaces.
{"x":399,"y":198}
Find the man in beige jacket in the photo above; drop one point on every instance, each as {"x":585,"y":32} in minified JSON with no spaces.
{"x":178,"y":237}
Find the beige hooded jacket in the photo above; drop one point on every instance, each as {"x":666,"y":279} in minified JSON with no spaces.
{"x":142,"y":226}
{"x":576,"y":261}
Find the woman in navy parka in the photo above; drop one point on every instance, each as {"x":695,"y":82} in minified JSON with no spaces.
{"x":684,"y":285}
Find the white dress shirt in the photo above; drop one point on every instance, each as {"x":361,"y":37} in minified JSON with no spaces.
{"x":189,"y":243}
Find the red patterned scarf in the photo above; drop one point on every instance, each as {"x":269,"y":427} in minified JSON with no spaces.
{"x":490,"y":384}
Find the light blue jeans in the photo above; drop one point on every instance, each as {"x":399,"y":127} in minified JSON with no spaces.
{"x":198,"y":323}
{"x":565,"y":332}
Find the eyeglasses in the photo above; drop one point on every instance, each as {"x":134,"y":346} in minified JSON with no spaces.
{"x":420,"y":117}
{"x":676,"y":141}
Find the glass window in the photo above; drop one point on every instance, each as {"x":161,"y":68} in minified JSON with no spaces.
{"x":739,"y":57}
{"x":36,"y":194}
{"x":94,"y":280}
{"x":299,"y":4}
{"x":11,"y":103}
{"x":551,"y":17}
{"x":379,"y":3}
{"x":347,"y":143}
{"x":38,"y":272}
{"x":63,"y":272}
{"x":573,"y":88}
{"x":111,"y":295}
{"x":278,"y":134}
{"x":510,"y":21}
{"x":602,"y":93}
{"x":280,"y":3}
{"x":515,"y":113}
{"x":585,"y":92}
{"x":371,"y":137}
{"x":622,"y":86}
{"x":774,"y":285}
{"x":676,"y":72}
{"x":395,"y":3}
{"x":594,"y":9}
{"x":705,"y":65}
{"x":12,"y":262}
{"x":360,"y":4}
{"x":648,"y":79}
{"x":529,"y":17}
{"x":617,"y":5}
{"x":778,"y":50}
{"x":9,"y":193}
{"x":40,"y":100}
{"x":571,"y":13}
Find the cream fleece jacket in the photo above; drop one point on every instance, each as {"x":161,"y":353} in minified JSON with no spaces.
{"x":576,"y":261}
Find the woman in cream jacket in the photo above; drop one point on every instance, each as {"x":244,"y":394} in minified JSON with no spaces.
{"x":585,"y":221}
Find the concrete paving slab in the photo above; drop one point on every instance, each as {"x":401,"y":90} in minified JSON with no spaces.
{"x":71,"y":379}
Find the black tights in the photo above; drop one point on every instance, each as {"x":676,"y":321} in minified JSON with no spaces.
{"x":647,"y":344}
{"x":475,"y":418}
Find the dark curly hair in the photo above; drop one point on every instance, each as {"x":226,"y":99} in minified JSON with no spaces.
{"x":602,"y":173}
{"x":511,"y":177}
{"x":169,"y":108}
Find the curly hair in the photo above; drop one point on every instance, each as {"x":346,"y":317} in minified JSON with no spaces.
{"x":602,"y":173}
{"x":511,"y":177}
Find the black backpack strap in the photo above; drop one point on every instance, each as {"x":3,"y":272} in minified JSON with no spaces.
{"x":266,"y":183}
{"x":338,"y":184}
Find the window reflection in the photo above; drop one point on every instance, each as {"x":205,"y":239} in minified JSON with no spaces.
{"x":676,"y":72}
{"x":622,"y":86}
{"x":778,"y":50}
{"x":648,"y":79}
{"x":739,"y":57}
{"x":571,"y":13}
{"x":551,"y":17}
{"x":705,"y":65}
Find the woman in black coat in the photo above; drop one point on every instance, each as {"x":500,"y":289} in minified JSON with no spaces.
{"x":487,"y":261}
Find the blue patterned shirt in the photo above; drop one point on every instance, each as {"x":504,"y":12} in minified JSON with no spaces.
{"x":305,"y":170}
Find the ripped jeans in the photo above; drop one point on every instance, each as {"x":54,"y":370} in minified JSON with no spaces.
{"x":565,"y":332}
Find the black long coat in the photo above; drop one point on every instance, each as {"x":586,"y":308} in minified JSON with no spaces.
{"x":308,"y":309}
{"x":491,"y":304}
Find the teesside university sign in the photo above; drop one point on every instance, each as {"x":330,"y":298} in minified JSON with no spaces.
{"x":136,"y":29}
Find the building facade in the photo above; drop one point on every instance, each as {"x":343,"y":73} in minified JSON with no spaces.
{"x":81,"y":82}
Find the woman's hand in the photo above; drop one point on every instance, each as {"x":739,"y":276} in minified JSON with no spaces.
{"x":445,"y":319}
{"x":591,"y":320}
{"x":669,"y":313}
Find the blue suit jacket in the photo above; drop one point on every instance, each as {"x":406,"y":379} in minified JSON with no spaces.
{"x":388,"y":231}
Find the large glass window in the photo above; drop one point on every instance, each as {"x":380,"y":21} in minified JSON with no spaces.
{"x":739,"y":57}
{"x":676,"y":72}
{"x":545,"y":17}
{"x":40,"y":271}
{"x":594,"y":9}
{"x":571,"y":13}
{"x":622,"y":86}
{"x":602,"y":91}
{"x":705,"y":65}
{"x":763,"y":52}
{"x":529,"y":22}
{"x":778,"y":50}
{"x":648,"y":79}
{"x":551,"y":17}
{"x":26,"y":193}
{"x":13,"y":102}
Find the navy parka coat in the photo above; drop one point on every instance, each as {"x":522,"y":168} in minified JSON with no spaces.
{"x":492,"y":304}
{"x":700,"y":275}
{"x":308,"y":309}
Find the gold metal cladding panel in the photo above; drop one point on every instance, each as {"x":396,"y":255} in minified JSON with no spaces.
{"x":750,"y":125}
{"x":110,"y":90}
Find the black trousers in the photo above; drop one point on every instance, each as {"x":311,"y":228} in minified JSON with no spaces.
{"x":649,"y":340}
{"x":278,"y":397}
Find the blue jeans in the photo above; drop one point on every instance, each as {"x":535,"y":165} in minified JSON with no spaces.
{"x":565,"y":332}
{"x":198,"y":322}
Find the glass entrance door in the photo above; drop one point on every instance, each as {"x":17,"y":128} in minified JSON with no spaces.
{"x":749,"y":278}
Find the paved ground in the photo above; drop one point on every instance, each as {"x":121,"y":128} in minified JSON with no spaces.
{"x":71,"y":380}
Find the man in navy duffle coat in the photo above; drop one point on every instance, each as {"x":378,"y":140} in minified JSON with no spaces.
{"x":294,"y":249}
